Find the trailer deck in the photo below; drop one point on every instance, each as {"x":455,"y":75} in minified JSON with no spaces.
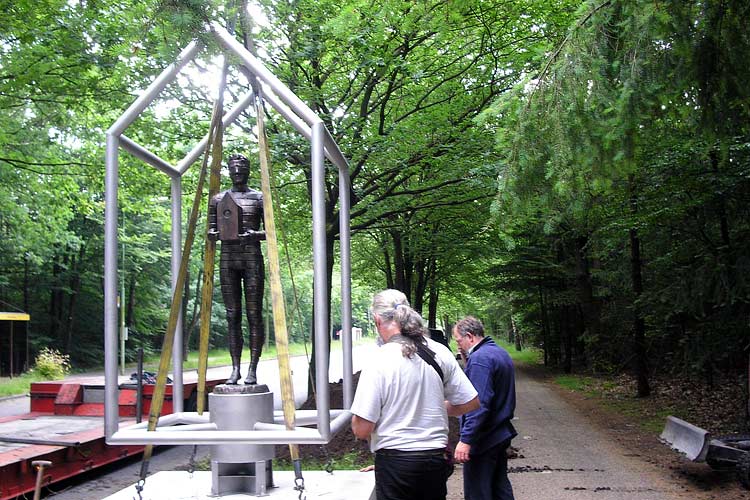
{"x":65,"y":426}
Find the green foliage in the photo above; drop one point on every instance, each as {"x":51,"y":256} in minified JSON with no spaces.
{"x":622,"y":135}
{"x":528,"y":356}
{"x":20,"y":384}
{"x":50,"y":364}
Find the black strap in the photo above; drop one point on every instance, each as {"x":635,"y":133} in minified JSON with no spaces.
{"x":429,"y":357}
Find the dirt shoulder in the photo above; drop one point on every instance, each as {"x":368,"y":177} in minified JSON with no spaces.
{"x":620,"y":420}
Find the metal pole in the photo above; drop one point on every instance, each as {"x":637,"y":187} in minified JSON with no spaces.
{"x":154,"y":89}
{"x":255,"y":66}
{"x":144,"y":154}
{"x":320,"y":294}
{"x":177,"y":387}
{"x":121,"y":303}
{"x":346,"y":286}
{"x":110,"y":287}
{"x":139,"y":388}
{"x":40,"y":465}
{"x":11,"y":349}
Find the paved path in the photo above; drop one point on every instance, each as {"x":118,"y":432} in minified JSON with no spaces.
{"x":562,"y":457}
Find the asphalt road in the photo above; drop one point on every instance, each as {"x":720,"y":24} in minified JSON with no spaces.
{"x":563,"y":457}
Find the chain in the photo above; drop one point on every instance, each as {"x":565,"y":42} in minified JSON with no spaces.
{"x":299,"y":485}
{"x":191,"y":462}
{"x":329,"y":460}
{"x":139,"y":488}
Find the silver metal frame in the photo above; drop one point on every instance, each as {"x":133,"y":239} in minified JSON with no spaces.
{"x":193,"y":428}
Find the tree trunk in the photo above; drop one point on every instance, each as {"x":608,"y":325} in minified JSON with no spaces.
{"x":55,"y":308}
{"x":567,"y":329}
{"x":590,"y":306}
{"x":195,"y":316}
{"x":389,"y":282}
{"x":75,"y":288}
{"x":516,"y":335}
{"x":545,"y":326}
{"x":639,"y":326}
{"x":433,"y":300}
{"x":422,"y":271}
{"x":398,"y":263}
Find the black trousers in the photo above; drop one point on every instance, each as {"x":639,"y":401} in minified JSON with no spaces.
{"x":411,"y":475}
{"x":486,"y":475}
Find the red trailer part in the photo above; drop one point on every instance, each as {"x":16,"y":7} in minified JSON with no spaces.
{"x":66,"y":427}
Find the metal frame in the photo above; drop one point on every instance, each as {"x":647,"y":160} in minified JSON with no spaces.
{"x":193,"y":428}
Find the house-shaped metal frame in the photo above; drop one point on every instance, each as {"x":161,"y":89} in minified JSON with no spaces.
{"x":194,"y":428}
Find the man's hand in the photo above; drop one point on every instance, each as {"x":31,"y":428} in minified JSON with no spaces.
{"x":461,"y":454}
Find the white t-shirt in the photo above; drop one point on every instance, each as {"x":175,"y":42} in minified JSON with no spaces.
{"x":405,"y":397}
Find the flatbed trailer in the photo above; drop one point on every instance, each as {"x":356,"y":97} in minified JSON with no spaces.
{"x":65,"y":426}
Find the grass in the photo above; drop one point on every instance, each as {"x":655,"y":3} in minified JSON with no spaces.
{"x":18,"y":385}
{"x":527,"y":356}
{"x":645,"y":413}
{"x":349,"y":461}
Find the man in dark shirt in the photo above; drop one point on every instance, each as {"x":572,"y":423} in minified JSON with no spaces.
{"x":486,"y":433}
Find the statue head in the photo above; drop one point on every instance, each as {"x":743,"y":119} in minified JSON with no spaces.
{"x":239,"y":169}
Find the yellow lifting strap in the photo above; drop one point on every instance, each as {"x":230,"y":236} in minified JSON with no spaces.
{"x":214,"y":184}
{"x":277,"y":297}
{"x":157,"y":399}
{"x":272,"y":249}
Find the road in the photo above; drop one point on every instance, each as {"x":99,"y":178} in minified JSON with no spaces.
{"x":564,"y":456}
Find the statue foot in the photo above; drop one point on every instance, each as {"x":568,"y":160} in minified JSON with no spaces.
{"x":251,"y":378}
{"x":234,"y":377}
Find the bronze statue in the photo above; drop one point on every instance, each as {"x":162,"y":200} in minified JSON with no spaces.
{"x":234,"y":218}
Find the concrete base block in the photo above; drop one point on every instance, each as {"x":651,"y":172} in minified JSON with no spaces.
{"x":180,"y":485}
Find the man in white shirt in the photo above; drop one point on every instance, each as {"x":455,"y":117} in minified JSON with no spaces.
{"x":403,"y":401}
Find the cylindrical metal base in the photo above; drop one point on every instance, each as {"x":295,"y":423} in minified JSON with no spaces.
{"x":241,"y":468}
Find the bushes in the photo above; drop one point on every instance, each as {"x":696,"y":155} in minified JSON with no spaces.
{"x":50,"y":364}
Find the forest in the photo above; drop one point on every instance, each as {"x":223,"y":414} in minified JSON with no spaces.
{"x":574,"y":172}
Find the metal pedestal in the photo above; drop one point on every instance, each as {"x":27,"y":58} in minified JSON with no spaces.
{"x":241,"y":468}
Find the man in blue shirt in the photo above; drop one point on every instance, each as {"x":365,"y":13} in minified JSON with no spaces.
{"x":486,"y":433}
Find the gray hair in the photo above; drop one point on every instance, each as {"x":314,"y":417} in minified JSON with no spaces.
{"x":392,"y":305}
{"x":470,"y":325}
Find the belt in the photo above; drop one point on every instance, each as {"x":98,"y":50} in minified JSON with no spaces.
{"x":390,"y":452}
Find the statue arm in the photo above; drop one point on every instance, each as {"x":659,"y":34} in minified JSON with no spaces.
{"x":251,"y":235}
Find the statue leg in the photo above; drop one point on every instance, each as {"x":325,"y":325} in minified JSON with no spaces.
{"x":254,"y":278}
{"x":231,"y":292}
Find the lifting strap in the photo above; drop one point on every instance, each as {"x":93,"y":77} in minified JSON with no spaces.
{"x":214,"y":183}
{"x":277,"y":297}
{"x":157,"y":399}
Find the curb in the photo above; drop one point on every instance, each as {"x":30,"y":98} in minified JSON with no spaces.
{"x":15,"y":396}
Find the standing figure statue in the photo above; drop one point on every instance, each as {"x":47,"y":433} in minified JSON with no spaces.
{"x":234,"y":218}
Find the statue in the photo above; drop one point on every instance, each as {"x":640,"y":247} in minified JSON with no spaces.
{"x":234,"y":218}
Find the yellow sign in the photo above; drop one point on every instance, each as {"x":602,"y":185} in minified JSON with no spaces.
{"x":14,"y":316}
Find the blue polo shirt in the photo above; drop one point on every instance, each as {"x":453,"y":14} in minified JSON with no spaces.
{"x":490,"y":369}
